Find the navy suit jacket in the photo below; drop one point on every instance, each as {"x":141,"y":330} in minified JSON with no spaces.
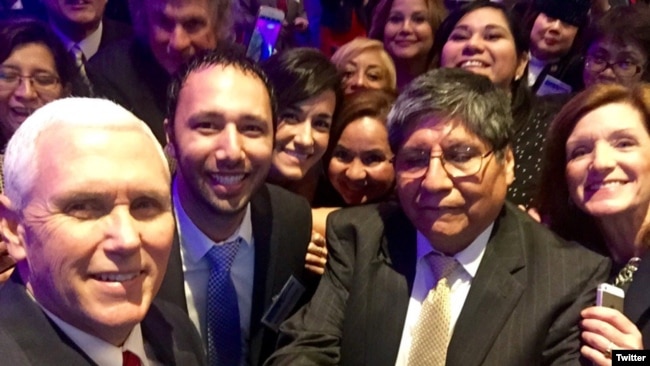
{"x":29,"y":337}
{"x":281,"y":231}
{"x":127,"y":73}
{"x":523,"y":307}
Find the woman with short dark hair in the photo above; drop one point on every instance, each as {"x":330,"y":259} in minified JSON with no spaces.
{"x":308,"y":92}
{"x":555,"y":28}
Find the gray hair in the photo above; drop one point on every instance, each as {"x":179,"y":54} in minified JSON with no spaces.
{"x":222,"y":14}
{"x":20,"y":159}
{"x":452,"y":93}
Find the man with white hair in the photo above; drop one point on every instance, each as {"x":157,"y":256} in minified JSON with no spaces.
{"x":135,"y":72}
{"x":87,"y":216}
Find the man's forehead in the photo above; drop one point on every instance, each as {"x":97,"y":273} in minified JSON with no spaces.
{"x":223,"y":90}
{"x":85,"y":152}
{"x":180,"y":8}
{"x":445,"y":126}
{"x":68,"y":142}
{"x":222,"y":77}
{"x":65,"y":134}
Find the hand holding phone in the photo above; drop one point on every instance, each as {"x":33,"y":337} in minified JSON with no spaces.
{"x":610,"y":296}
{"x":267,"y":30}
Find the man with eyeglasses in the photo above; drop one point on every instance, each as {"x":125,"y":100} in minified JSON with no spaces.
{"x":451,"y":274}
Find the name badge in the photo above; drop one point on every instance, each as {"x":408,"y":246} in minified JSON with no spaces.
{"x":552,"y":85}
{"x":283,"y":303}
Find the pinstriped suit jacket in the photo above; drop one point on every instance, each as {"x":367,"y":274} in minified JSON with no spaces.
{"x":522,"y":309}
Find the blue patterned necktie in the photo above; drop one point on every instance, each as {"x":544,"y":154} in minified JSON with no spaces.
{"x":224,"y":334}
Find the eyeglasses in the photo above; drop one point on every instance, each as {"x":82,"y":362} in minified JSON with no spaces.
{"x":413,"y":164}
{"x":622,"y":68}
{"x":41,"y":81}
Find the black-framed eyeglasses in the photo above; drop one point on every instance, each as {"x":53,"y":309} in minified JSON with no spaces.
{"x":414,"y":163}
{"x":622,"y":68}
{"x":43,"y":81}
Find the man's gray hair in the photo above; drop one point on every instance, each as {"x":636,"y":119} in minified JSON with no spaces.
{"x":20,"y":159}
{"x":221,"y":14}
{"x":451,"y":93}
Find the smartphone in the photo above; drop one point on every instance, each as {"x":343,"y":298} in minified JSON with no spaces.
{"x":267,"y":30}
{"x":610,"y":296}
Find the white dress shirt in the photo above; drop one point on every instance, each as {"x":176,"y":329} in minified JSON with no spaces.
{"x":89,"y":45}
{"x":535,"y":67}
{"x":102,"y":352}
{"x":196,"y":270}
{"x":459,"y":280}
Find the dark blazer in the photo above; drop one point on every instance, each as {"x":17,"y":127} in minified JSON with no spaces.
{"x":523,"y":307}
{"x":637,"y":300}
{"x":282,"y":231}
{"x":568,"y":70}
{"x":29,"y":337}
{"x":127,"y":73}
{"x":112,"y":32}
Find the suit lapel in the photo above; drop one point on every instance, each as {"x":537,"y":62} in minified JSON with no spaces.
{"x":41,"y":341}
{"x":261,"y":218}
{"x":173,"y":286}
{"x":494,"y":293}
{"x":637,"y":301}
{"x":392,"y":271}
{"x":158,"y":334}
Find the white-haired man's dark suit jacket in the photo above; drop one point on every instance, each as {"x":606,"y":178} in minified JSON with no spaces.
{"x":523,"y":307}
{"x":29,"y":338}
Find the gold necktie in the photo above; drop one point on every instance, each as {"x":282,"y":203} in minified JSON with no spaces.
{"x":79,"y":60}
{"x":432,"y":333}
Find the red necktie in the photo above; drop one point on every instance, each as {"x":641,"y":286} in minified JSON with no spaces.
{"x":129,"y":359}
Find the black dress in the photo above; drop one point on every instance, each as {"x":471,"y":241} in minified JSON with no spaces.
{"x":528,"y":145}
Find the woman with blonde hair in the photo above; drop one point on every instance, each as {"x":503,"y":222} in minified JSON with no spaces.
{"x":365,"y":64}
{"x":407,"y":28}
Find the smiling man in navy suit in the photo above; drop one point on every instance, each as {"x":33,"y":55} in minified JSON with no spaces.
{"x":220,"y":131}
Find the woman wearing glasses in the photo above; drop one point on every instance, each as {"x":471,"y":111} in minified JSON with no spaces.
{"x":619,"y":47}
{"x":35,"y":69}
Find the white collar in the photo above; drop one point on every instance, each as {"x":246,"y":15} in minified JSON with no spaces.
{"x":89,"y":45}
{"x":100,"y":351}
{"x":469,"y":258}
{"x":194,"y":242}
